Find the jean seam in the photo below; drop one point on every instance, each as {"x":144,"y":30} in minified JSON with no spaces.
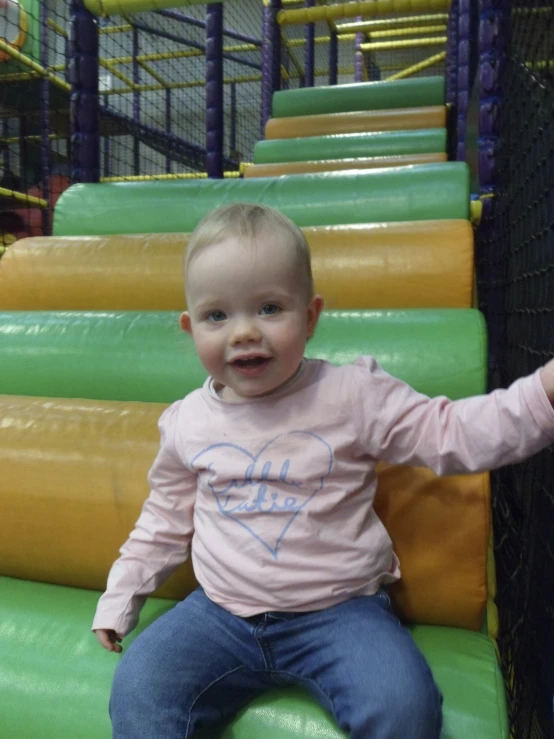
{"x":218,"y":679}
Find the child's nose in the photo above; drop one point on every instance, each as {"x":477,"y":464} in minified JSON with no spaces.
{"x":245,"y":331}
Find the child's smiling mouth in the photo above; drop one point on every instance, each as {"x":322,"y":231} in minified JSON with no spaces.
{"x":251,"y":366}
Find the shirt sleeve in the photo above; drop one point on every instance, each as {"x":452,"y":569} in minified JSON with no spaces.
{"x":160,"y":541}
{"x":401,"y":426}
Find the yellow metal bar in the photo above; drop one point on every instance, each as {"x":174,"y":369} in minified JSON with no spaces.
{"x":124,"y":28}
{"x":391,"y":22}
{"x":407,"y":31}
{"x":424,"y":64}
{"x":57,"y":28}
{"x":22,"y":197}
{"x":320,"y":40}
{"x":17,"y":139}
{"x":158,"y":77}
{"x":181,"y":54}
{"x":118,"y":7}
{"x":179,"y":85}
{"x":182,"y":176}
{"x":364,"y":8}
{"x":20,"y":77}
{"x":22,"y":59}
{"x":107,"y":64}
{"x":414,"y":43}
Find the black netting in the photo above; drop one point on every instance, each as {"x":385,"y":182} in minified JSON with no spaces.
{"x":34,"y":103}
{"x":515,"y":266}
{"x":153,"y":90}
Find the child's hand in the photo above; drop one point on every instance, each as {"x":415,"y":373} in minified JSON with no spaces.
{"x":109,"y":639}
{"x":547,"y":378}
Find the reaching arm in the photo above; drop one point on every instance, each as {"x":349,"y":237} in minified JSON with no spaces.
{"x":159,"y":543}
{"x":401,"y":426}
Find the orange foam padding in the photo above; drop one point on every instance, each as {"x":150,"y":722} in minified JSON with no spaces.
{"x":333,"y":165}
{"x":424,"y":264}
{"x":74,"y":479}
{"x":401,"y":119}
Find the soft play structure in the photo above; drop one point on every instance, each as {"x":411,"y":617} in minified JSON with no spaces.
{"x":91,"y":354}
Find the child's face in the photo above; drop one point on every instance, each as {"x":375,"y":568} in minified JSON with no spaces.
{"x":249,"y":314}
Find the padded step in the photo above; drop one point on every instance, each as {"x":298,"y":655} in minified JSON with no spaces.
{"x":418,"y":264}
{"x":408,"y":93}
{"x":145,"y":356}
{"x":351,"y":145}
{"x":334,"y":165}
{"x":401,"y":119}
{"x":425,"y":192}
{"x":56,"y":679}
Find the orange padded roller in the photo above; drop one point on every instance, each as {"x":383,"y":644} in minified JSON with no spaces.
{"x":333,"y":165}
{"x":401,"y":119}
{"x":423,"y":264}
{"x":74,"y":479}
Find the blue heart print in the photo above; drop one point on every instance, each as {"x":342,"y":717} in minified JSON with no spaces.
{"x":271,"y":483}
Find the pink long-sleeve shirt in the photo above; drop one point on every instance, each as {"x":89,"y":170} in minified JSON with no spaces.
{"x":273,"y":497}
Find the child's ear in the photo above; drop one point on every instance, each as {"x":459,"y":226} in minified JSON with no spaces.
{"x":184,"y":322}
{"x":314,"y":311}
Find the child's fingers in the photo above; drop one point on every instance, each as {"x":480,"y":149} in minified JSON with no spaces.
{"x":108,"y":639}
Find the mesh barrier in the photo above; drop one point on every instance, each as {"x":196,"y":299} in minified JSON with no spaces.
{"x":34,"y":102}
{"x":153,"y":90}
{"x":368,"y":50}
{"x":515,"y":266}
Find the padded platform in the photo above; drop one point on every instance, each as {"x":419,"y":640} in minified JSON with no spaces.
{"x":415,"y":92}
{"x":429,"y":192}
{"x":401,"y":119}
{"x":421,"y":264}
{"x":351,"y":145}
{"x":145,"y":356}
{"x":51,"y":662}
{"x":334,"y":165}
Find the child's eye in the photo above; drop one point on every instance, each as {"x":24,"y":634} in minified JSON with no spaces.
{"x":270,"y":309}
{"x":216,"y":316}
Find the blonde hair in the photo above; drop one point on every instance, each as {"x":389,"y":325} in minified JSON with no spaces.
{"x":245,"y":221}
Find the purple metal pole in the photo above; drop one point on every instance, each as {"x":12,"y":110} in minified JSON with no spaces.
{"x":333,"y":58}
{"x":233,"y":126}
{"x":84,"y":104}
{"x":175,"y":15}
{"x":493,"y":47}
{"x":452,"y":55}
{"x":136,"y":99}
{"x":214,"y":90}
{"x":106,"y":146}
{"x":309,"y":49}
{"x":271,"y":65}
{"x":45,"y":122}
{"x":168,"y":126}
{"x":358,"y":56}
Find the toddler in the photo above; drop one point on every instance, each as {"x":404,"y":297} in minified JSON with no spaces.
{"x":266,"y":478}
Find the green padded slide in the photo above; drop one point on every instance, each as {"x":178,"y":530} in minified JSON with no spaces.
{"x":145,"y":356}
{"x":423,"y":192}
{"x":351,"y":145}
{"x":408,"y":93}
{"x":56,"y":679}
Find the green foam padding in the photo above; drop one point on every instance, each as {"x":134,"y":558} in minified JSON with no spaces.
{"x":145,"y":356}
{"x":351,"y":146}
{"x":55,"y":679}
{"x":408,"y":93}
{"x":423,"y":192}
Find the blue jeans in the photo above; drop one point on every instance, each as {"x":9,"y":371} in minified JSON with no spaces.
{"x":197,"y":665}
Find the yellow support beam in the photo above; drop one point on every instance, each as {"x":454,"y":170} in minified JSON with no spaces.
{"x":391,"y":22}
{"x":407,"y":44}
{"x":104,"y":8}
{"x":26,"y":61}
{"x":57,"y":28}
{"x":22,"y":197}
{"x":152,"y":177}
{"x":424,"y":64}
{"x":364,"y":8}
{"x":406,"y":31}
